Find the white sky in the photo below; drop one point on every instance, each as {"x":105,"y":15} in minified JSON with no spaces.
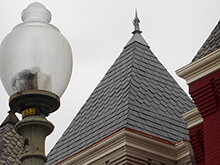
{"x":99,"y":29}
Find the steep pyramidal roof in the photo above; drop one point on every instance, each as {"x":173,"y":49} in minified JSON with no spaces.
{"x":211,"y":44}
{"x":137,"y":92}
{"x":11,"y":144}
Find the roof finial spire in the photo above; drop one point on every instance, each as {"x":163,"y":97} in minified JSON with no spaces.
{"x":136,"y":24}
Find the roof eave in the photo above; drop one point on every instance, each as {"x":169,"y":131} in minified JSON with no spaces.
{"x":120,"y":138}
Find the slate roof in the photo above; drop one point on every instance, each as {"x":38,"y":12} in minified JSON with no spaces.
{"x":11,"y":118}
{"x":211,"y":44}
{"x":11,"y":144}
{"x":137,"y":92}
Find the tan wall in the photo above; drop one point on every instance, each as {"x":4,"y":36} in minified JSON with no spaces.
{"x":132,"y":156}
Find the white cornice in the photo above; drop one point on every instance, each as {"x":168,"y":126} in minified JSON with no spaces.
{"x":192,"y":118}
{"x":151,"y":145}
{"x":127,"y":137}
{"x":173,"y":152}
{"x":200,"y":67}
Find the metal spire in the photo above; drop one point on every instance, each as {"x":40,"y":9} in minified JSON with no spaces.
{"x":136,"y":24}
{"x":137,"y":37}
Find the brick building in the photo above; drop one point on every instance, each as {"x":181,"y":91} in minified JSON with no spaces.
{"x":203,"y":78}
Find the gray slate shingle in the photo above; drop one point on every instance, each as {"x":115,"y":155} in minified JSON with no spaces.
{"x":211,"y":44}
{"x":11,"y":144}
{"x":137,"y":92}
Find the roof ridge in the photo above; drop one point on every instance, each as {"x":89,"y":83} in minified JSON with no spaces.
{"x":129,"y":93}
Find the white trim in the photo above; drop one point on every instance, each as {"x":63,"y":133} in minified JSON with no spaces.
{"x":151,"y":145}
{"x":192,"y":118}
{"x":130,"y":138}
{"x":170,"y":151}
{"x":200,"y":67}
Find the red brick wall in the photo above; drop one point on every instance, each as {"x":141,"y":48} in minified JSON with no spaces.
{"x":212,"y":138}
{"x":197,"y":142}
{"x":205,"y":93}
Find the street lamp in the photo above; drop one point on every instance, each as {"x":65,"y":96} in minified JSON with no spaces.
{"x":35,"y":69}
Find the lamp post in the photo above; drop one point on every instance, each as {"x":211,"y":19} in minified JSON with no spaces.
{"x":35,"y":69}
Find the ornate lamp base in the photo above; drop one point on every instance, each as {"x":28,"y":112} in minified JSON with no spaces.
{"x":34,"y":105}
{"x":34,"y":130}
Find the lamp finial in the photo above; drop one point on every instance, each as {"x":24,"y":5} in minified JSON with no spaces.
{"x":36,"y":12}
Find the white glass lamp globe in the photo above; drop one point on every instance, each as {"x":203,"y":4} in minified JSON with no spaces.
{"x":35,"y":55}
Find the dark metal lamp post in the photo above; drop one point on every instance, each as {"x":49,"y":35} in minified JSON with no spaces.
{"x":35,"y":69}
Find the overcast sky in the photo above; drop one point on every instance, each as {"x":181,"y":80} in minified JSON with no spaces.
{"x":97,"y":31}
